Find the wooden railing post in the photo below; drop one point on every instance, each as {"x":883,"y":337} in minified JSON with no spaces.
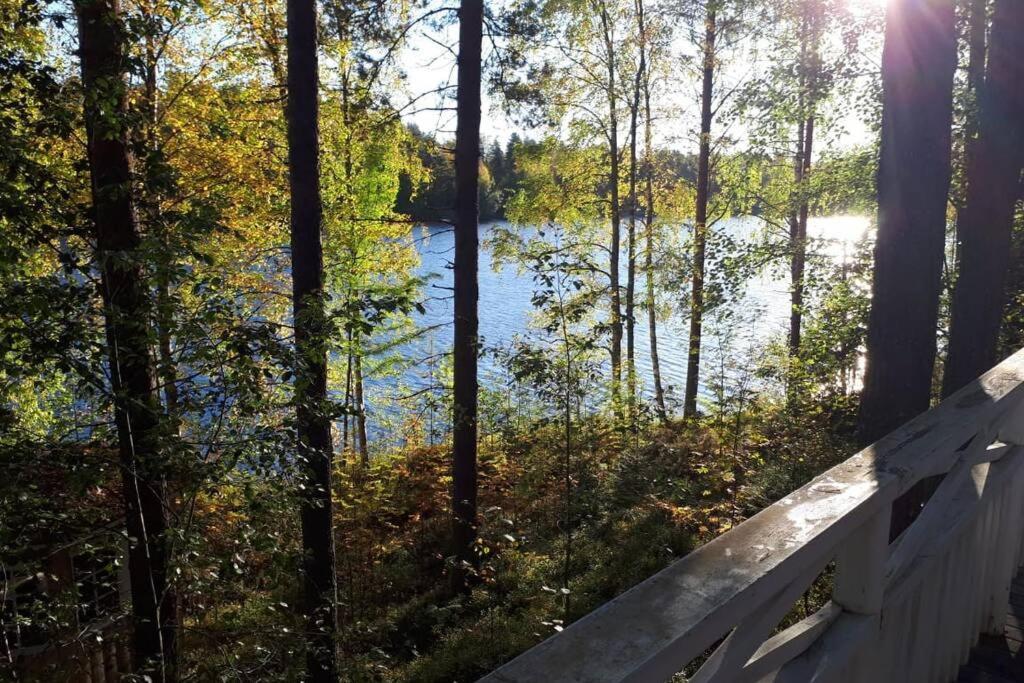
{"x":860,"y":566}
{"x":1006,"y":539}
{"x":859,"y":588}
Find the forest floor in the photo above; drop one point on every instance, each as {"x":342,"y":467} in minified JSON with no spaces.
{"x":558,"y":537}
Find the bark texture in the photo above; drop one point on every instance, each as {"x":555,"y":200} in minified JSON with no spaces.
{"x":700,"y":226}
{"x":913,"y":185}
{"x":649,"y":218}
{"x":467,"y":215}
{"x":127,"y":313}
{"x":986,"y":220}
{"x":615,"y":205}
{"x":311,"y":339}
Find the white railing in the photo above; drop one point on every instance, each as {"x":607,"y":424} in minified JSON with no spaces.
{"x":909,"y":610}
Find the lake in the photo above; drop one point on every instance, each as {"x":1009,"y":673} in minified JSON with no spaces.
{"x":761,"y":316}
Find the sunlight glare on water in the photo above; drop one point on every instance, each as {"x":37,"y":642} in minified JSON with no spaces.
{"x":838,"y":235}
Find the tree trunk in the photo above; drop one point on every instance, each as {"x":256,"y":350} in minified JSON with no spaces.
{"x":701,"y":220}
{"x":615,"y":208}
{"x":634,"y":113}
{"x":357,"y":371}
{"x":631,"y":278}
{"x":347,"y":397}
{"x":810,"y":67}
{"x":127,"y":316}
{"x":313,"y":424}
{"x":993,"y":177}
{"x":913,"y":185}
{"x":797,"y":256}
{"x":467,"y":215}
{"x":977,"y":25}
{"x":168,"y":371}
{"x":652,"y":314}
{"x":799,"y":246}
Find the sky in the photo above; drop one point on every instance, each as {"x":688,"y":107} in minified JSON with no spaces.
{"x":429,"y":62}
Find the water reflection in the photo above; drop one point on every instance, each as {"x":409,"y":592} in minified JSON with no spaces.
{"x":760,"y":315}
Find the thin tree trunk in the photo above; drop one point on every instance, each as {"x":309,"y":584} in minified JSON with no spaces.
{"x":127,"y":316}
{"x":800,"y":242}
{"x":347,"y":397}
{"x":798,"y":252}
{"x":631,"y":280}
{"x":993,"y":178}
{"x":700,"y":224}
{"x":810,"y":68}
{"x":467,"y":216}
{"x":652,"y":314}
{"x":168,"y":369}
{"x":615,"y":207}
{"x":357,"y":371}
{"x":913,"y":185}
{"x":311,"y":339}
{"x":164,"y":304}
{"x":570,"y":383}
{"x":634,"y":113}
{"x":796,"y":260}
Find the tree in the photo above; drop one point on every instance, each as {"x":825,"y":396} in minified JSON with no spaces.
{"x":466,"y":340}
{"x":985,"y":224}
{"x":313,"y":426}
{"x":700,"y":225}
{"x":809,"y":75}
{"x":581,"y":85}
{"x":126,"y":308}
{"x":918,"y":61}
{"x":609,"y":58}
{"x":646,"y":56}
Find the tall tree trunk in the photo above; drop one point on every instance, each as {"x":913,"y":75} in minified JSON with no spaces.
{"x":467,"y":216}
{"x":700,"y":226}
{"x":993,"y":180}
{"x":127,"y":316}
{"x":977,"y":27}
{"x":313,"y":424}
{"x":913,"y":185}
{"x":802,"y":165}
{"x":631,"y":277}
{"x":652,"y":313}
{"x":796,"y":260}
{"x":164,"y":303}
{"x":634,"y":114}
{"x":615,"y":206}
{"x":357,"y":372}
{"x":347,"y":397}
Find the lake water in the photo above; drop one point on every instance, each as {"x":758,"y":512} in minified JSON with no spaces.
{"x":760,"y":316}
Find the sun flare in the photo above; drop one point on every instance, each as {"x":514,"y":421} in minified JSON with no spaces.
{"x":868,"y":4}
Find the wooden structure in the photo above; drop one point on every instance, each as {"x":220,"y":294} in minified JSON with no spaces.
{"x":1000,"y":658}
{"x":906,"y":609}
{"x":83,"y":587}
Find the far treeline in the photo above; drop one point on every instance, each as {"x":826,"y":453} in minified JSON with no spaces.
{"x":220,"y":403}
{"x":501,"y":178}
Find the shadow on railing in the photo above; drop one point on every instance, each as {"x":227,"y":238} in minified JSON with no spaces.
{"x":906,"y":610}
